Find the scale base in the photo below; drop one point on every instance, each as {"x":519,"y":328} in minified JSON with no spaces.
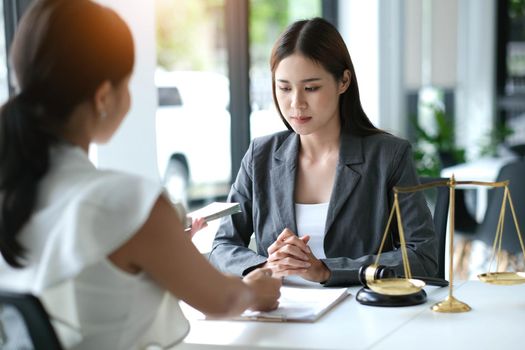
{"x":451,"y":304}
{"x":367,"y":296}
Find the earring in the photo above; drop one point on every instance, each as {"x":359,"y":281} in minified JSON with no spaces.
{"x":103,"y":115}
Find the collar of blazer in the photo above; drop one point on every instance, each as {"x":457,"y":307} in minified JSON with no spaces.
{"x":350,"y":152}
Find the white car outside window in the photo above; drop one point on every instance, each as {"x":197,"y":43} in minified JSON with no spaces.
{"x":193,"y":134}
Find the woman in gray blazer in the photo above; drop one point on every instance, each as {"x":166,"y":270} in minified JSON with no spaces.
{"x":318,"y":196}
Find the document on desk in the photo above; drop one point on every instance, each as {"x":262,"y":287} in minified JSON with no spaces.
{"x":299,"y":305}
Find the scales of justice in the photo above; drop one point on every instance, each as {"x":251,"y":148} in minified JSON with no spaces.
{"x":403,"y":291}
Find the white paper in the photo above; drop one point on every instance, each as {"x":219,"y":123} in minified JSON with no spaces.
{"x":300,"y":304}
{"x":213,"y":211}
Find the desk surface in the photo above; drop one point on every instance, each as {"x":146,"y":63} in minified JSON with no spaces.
{"x":483,"y":169}
{"x":496,"y":321}
{"x":354,"y":326}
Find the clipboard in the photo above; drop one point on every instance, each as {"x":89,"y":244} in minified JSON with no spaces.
{"x":299,"y":305}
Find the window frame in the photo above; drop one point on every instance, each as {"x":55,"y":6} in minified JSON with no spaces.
{"x":13,"y":11}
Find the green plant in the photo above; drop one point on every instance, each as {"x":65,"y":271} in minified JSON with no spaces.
{"x":496,"y":136}
{"x":436,"y":149}
{"x":516,"y":8}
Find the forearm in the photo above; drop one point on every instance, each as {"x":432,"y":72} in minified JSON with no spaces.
{"x":263,"y":293}
{"x":345,"y":271}
{"x":234,"y":297}
{"x":235,"y":259}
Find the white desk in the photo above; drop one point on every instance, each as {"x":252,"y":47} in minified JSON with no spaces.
{"x":496,"y":321}
{"x":483,"y":169}
{"x":351,"y":325}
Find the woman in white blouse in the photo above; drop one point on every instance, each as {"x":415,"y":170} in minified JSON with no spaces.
{"x":115,"y":237}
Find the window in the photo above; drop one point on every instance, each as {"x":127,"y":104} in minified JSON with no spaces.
{"x":193,"y":119}
{"x":4,"y":86}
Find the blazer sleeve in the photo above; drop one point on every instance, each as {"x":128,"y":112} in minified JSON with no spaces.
{"x":418,"y":228}
{"x":230,"y":252}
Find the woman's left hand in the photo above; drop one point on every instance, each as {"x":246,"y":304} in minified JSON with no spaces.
{"x":196,"y":225}
{"x":317,"y":272}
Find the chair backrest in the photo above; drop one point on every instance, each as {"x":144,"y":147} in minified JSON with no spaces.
{"x":23,"y":316}
{"x":464,"y":223}
{"x":438,"y":202}
{"x":515,"y":173}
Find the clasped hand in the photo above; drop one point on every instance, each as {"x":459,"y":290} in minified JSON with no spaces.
{"x":291,"y":255}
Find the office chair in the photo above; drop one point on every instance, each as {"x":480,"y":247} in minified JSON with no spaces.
{"x":465,"y":223}
{"x":438,"y":201}
{"x":486,"y":230}
{"x":475,"y":258}
{"x":519,"y":150}
{"x":24,"y":323}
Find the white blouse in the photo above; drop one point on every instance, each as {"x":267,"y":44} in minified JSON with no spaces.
{"x":82,"y":215}
{"x":311,"y":220}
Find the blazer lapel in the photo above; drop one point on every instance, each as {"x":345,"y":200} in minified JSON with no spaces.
{"x":345,"y":177}
{"x":283,"y":178}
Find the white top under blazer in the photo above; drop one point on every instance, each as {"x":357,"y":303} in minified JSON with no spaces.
{"x":82,"y":215}
{"x":311,"y":220}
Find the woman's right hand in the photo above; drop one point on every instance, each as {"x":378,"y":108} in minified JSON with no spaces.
{"x":266,"y":289}
{"x":288,"y":255}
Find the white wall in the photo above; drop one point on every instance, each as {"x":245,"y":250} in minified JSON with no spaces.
{"x":386,"y":38}
{"x":475,"y":92}
{"x":358,"y":25}
{"x":133,"y":147}
{"x":461,"y":57}
{"x":392,"y":98}
{"x":438,"y":29}
{"x":444,"y":42}
{"x":412,"y":44}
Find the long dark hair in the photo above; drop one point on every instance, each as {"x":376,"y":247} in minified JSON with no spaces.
{"x":320,"y":41}
{"x":62,"y":52}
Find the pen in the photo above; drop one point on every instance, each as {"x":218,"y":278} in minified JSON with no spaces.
{"x":264,"y":318}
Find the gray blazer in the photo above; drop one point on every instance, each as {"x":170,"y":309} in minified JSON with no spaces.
{"x":368,"y":168}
